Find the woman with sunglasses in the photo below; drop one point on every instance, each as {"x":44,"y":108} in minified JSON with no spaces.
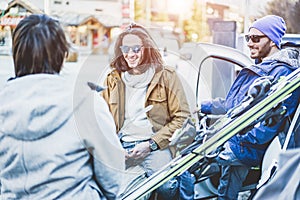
{"x":246,"y":149}
{"x":148,"y":104}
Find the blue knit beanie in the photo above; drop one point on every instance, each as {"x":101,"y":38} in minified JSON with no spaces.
{"x":272,"y":26}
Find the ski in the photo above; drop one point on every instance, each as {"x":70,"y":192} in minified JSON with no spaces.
{"x":239,"y":118}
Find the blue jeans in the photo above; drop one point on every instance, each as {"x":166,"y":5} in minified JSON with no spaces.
{"x":233,"y":175}
{"x":186,"y":186}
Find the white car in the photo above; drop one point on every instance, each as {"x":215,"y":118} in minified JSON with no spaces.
{"x":206,"y":70}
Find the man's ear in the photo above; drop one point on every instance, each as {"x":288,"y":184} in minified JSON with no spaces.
{"x":272,"y":44}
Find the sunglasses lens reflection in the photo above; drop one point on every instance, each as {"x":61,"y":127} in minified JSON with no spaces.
{"x":135,"y":48}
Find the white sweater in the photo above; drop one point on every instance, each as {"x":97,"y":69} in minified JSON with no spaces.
{"x":136,"y":125}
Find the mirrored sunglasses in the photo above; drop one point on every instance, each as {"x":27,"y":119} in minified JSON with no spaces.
{"x":254,"y":38}
{"x":135,"y":48}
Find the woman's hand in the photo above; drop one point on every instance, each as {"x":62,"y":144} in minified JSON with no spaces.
{"x":140,"y":151}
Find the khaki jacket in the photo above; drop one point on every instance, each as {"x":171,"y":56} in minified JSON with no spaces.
{"x":165,"y":93}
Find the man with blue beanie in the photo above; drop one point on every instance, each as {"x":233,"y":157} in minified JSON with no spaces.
{"x":246,"y":150}
{"x":271,"y":26}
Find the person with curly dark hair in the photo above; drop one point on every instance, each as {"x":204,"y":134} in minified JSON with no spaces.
{"x":148,"y":103}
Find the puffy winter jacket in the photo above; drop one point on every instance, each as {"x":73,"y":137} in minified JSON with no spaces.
{"x":54,"y":143}
{"x":250,"y":147}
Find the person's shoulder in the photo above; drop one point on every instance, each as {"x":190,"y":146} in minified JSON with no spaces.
{"x":288,"y":58}
{"x":281,"y":66}
{"x":168,"y":73}
{"x":169,"y":69}
{"x":113,"y":73}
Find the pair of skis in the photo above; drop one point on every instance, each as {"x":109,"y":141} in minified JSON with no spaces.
{"x":261,"y":100}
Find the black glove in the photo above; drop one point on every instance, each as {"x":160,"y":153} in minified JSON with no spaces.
{"x":275,"y":115}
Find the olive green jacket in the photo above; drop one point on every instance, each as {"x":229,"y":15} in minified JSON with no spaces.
{"x":165,"y":93}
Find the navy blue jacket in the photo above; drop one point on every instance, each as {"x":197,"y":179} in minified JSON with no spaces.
{"x":250,"y":147}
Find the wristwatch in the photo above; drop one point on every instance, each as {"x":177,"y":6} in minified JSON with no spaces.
{"x":153,"y":145}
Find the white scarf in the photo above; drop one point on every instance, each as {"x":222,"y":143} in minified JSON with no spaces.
{"x":136,"y":86}
{"x":138,"y":80}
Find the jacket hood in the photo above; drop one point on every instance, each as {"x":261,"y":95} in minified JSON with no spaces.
{"x":288,"y":55}
{"x":34,"y":106}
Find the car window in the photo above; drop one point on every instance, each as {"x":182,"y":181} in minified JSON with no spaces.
{"x":207,"y":70}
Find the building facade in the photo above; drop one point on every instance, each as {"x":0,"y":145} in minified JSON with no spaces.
{"x":88,"y":24}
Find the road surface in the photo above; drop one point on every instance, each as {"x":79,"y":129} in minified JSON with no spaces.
{"x":90,"y":67}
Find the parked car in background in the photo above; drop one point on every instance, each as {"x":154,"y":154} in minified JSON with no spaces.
{"x":293,"y":38}
{"x":209,"y":69}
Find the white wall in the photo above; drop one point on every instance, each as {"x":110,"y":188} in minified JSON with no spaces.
{"x":88,"y":6}
{"x":107,"y":7}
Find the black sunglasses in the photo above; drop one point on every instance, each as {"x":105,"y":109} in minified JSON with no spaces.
{"x":254,"y":38}
{"x":135,"y":48}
